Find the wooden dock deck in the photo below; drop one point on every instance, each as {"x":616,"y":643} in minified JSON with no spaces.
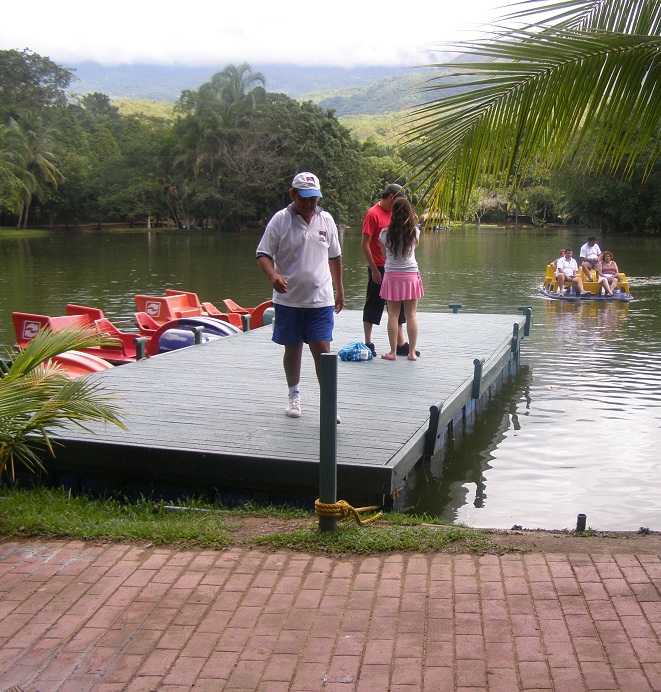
{"x":212,"y":416}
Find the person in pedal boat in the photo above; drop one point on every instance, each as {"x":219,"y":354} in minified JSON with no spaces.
{"x":567,"y":273}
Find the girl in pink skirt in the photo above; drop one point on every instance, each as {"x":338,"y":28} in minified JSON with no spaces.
{"x":401,"y":281}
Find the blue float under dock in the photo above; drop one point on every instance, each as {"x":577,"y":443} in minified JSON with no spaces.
{"x":210,"y":418}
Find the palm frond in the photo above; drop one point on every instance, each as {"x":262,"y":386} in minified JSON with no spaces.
{"x":78,"y":401}
{"x":620,"y":16}
{"x":541,"y":96}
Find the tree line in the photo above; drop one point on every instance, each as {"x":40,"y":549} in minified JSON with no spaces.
{"x":226,"y":161}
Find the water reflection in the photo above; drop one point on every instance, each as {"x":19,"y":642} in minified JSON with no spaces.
{"x":586,"y":329}
{"x":459,"y":477}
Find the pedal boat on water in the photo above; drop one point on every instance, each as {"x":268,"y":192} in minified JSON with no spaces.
{"x":168,"y":336}
{"x":590,"y":283}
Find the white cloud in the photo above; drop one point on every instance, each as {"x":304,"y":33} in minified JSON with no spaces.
{"x":344,"y":33}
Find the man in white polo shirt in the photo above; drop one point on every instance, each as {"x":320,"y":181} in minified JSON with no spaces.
{"x":300,"y":255}
{"x":566,"y":271}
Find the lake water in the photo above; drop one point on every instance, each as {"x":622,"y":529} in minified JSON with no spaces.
{"x":579,"y":430}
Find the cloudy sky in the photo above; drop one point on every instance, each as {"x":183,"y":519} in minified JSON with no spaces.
{"x":343,"y":33}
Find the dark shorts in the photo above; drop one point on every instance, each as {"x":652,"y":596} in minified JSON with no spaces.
{"x":374,"y":303}
{"x":293,"y":325}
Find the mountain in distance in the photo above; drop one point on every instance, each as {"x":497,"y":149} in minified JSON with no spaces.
{"x":166,"y":82}
{"x":348,"y":91}
{"x":393,"y":93}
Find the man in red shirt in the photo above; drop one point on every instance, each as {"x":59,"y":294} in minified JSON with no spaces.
{"x":377,"y":218}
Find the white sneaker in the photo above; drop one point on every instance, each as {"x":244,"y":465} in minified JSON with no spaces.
{"x":338,"y":420}
{"x":293,"y":409}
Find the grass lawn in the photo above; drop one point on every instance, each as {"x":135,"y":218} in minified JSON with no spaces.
{"x":53,"y":513}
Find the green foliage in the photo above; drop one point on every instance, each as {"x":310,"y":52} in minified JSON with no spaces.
{"x":29,"y":153}
{"x":36,"y":398}
{"x":113,"y":164}
{"x":378,"y":134}
{"x":310,"y":138}
{"x":225,"y":161}
{"x":30,"y":82}
{"x":483,"y":202}
{"x":10,"y":189}
{"x":145,"y":109}
{"x":238,"y":175}
{"x":616,"y":206}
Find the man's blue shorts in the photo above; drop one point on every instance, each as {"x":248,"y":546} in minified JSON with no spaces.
{"x":293,"y":325}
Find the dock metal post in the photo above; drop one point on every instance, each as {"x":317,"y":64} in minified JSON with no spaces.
{"x":140,"y":344}
{"x":245,"y":321}
{"x":515,"y":339}
{"x":328,"y":437}
{"x":432,"y":430}
{"x":477,"y":378}
{"x":197,"y":332}
{"x":455,"y":307}
{"x":527,"y":311}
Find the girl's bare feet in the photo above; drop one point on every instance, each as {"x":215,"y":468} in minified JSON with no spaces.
{"x":412,"y":356}
{"x":389,"y":356}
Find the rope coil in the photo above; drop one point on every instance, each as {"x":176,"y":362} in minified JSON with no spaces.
{"x":342,"y":509}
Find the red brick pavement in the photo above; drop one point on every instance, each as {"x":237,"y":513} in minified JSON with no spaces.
{"x":76,"y":616}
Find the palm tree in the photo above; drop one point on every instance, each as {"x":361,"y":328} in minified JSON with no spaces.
{"x":12,"y":170}
{"x":580,"y":86}
{"x":30,"y":151}
{"x":232,"y":93}
{"x":214,"y":116}
{"x":36,"y":398}
{"x":41,"y":159}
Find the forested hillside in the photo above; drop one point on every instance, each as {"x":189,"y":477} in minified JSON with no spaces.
{"x":396,"y":92}
{"x":224,"y":154}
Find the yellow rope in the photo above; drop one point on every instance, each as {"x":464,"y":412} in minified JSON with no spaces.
{"x":342,"y":509}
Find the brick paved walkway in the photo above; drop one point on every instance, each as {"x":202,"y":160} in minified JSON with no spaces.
{"x":75,"y":616}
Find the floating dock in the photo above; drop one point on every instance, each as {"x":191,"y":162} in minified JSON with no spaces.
{"x":210,"y":418}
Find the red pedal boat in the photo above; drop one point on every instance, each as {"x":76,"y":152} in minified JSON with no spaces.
{"x":26,"y":326}
{"x":161,"y":338}
{"x":176,"y":304}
